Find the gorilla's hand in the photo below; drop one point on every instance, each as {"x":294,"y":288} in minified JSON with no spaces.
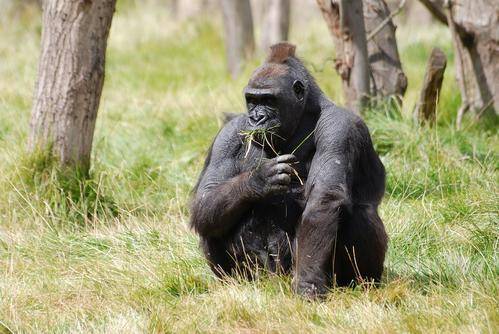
{"x":272,"y":176}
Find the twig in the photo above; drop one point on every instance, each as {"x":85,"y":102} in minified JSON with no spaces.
{"x":297,"y":176}
{"x":488,"y":104}
{"x":295,"y":149}
{"x":4,"y":328}
{"x":248,"y":142}
{"x":268,"y":142}
{"x":386,"y":20}
{"x":477,"y":116}
{"x":302,"y":142}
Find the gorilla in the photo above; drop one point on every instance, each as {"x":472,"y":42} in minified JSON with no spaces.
{"x":293,"y":185}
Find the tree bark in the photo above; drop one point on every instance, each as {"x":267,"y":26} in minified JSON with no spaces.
{"x":239,"y":40}
{"x":387,"y":78}
{"x":70,"y":78}
{"x":474,"y":26}
{"x":276,"y":22}
{"x":436,"y":7}
{"x":345,"y":21}
{"x":432,"y":84}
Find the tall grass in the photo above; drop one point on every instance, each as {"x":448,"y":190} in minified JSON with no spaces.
{"x":112,"y":253}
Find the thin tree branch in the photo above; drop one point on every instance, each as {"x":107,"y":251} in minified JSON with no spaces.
{"x":386,"y":20}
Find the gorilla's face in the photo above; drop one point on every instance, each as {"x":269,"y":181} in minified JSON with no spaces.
{"x":275,"y":100}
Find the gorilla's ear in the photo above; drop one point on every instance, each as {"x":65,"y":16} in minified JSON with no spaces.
{"x":299,"y":90}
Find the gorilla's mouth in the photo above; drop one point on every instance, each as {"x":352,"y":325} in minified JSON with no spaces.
{"x":270,"y":126}
{"x":264,"y":137}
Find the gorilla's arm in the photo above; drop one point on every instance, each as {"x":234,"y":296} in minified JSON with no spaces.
{"x":224,"y":193}
{"x":328,"y":192}
{"x":216,"y":209}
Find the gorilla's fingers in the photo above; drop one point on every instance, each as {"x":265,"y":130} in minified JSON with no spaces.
{"x":279,"y":189}
{"x":283,"y":168}
{"x":281,"y":179}
{"x":267,"y":168}
{"x":287,"y":158}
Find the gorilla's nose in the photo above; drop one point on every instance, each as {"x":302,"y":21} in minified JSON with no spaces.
{"x":257,"y":118}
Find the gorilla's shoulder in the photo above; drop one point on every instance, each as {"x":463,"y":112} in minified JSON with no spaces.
{"x":339,"y":124}
{"x":233,"y":124}
{"x":336,"y":119}
{"x":229,"y":116}
{"x":228,"y":139}
{"x":332,"y":113}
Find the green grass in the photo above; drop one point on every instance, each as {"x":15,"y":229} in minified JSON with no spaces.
{"x":114,"y":253}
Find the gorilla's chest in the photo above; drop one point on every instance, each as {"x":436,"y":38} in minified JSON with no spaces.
{"x":267,"y":230}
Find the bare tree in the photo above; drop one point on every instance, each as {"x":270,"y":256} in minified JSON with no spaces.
{"x":387,"y":76}
{"x":345,"y":21}
{"x":276,"y":22}
{"x":474,"y":25}
{"x":70,"y":78}
{"x":239,"y":39}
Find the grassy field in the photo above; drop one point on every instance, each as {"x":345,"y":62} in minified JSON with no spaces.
{"x":114,"y":254}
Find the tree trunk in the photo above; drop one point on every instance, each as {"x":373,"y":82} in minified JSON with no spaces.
{"x":432,"y":84}
{"x":416,"y":14}
{"x":345,"y":21}
{"x":474,"y":26}
{"x":70,"y":78}
{"x":436,"y":7}
{"x":276,"y":22}
{"x":387,"y":76}
{"x":239,"y":40}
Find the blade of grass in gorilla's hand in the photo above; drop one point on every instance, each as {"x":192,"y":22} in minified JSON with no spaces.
{"x":296,"y":149}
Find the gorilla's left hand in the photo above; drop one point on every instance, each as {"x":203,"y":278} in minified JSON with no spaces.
{"x":272,"y":176}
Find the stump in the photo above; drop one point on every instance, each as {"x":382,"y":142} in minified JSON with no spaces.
{"x":425,"y":110}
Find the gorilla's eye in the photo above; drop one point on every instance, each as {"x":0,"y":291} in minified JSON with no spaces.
{"x":299,"y":89}
{"x":250,"y":102}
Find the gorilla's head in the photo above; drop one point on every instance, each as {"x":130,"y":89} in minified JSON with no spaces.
{"x":277,"y":91}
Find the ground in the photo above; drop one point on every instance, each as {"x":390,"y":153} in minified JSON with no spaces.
{"x":114,"y":253}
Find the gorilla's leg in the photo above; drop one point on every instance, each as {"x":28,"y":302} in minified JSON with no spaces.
{"x":359,"y":250}
{"x":215,"y":251}
{"x":338,"y":245}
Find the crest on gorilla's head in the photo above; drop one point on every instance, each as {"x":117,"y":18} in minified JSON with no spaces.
{"x":279,"y":52}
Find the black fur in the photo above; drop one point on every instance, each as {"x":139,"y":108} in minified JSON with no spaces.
{"x":251,"y":210}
